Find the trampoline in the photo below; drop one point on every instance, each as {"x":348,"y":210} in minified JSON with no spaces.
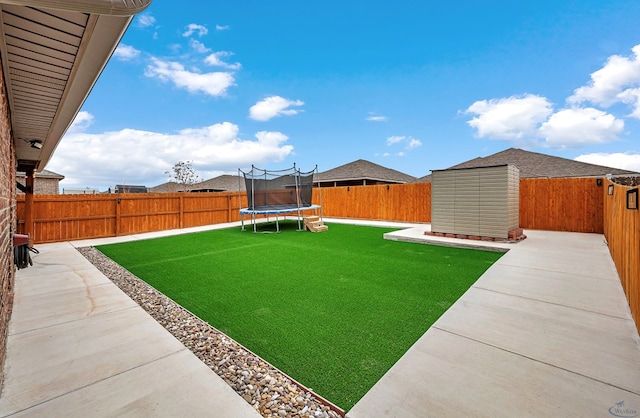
{"x":278,"y":192}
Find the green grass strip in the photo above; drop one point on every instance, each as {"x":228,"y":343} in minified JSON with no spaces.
{"x":334,"y":310}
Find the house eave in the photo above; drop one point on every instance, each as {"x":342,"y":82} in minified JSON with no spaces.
{"x":48,"y":79}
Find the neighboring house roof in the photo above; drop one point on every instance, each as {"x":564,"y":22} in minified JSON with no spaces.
{"x":424,"y":179}
{"x":52,"y":54}
{"x":364,"y":170}
{"x":533,"y":164}
{"x":44,"y":174}
{"x":223,"y":183}
{"x":168,"y":187}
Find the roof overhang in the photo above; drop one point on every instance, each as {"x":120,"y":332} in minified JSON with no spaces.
{"x":52,"y":52}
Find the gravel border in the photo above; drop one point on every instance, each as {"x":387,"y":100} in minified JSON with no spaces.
{"x":271,"y":392}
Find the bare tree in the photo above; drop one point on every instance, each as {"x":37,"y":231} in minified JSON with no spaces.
{"x":183,"y":174}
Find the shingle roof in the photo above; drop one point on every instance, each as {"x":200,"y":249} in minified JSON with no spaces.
{"x":225,"y":182}
{"x":363,"y":169}
{"x":533,"y":164}
{"x":424,"y":179}
{"x":168,"y":187}
{"x":47,"y":174}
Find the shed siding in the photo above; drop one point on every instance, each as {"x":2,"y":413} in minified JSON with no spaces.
{"x":476,"y":201}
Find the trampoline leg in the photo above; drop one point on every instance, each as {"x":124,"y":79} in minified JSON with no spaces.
{"x":242,"y":221}
{"x":277,"y":224}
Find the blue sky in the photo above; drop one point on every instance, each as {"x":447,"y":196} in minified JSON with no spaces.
{"x":411,"y":85}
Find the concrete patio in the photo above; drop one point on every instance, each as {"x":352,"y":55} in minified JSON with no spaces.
{"x":546,"y":331}
{"x":78,"y":346}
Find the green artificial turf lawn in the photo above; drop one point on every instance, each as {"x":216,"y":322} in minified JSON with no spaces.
{"x":334,"y":310}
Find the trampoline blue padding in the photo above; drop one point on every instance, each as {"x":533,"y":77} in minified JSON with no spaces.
{"x":275,"y":209}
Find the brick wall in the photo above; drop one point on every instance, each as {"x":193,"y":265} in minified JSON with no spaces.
{"x":41,"y":185}
{"x":7,"y":221}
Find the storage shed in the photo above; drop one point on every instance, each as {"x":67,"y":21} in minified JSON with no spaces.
{"x":476,"y":203}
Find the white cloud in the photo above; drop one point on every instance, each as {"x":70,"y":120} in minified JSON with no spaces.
{"x":622,"y":160}
{"x":616,"y":82}
{"x":81,"y":122}
{"x":532,"y":120}
{"x":174,"y":48}
{"x":512,"y":118}
{"x":195,"y":28}
{"x":198,"y":46}
{"x":273,"y":106}
{"x":222,"y":27}
{"x":632,"y":97}
{"x":213,"y":84}
{"x":409,"y":142}
{"x":145,"y":20}
{"x":216,"y":61}
{"x":571,"y":128}
{"x":414,"y":143}
{"x":142,"y":157}
{"x":395,"y":139}
{"x":376,"y":118}
{"x":126,"y":52}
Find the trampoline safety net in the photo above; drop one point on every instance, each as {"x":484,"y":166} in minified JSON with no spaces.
{"x":283,"y":189}
{"x":278,"y":192}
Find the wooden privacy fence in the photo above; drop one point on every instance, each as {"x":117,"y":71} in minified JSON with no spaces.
{"x":72,"y":217}
{"x":622,"y":231}
{"x":550,"y":204}
{"x":394,"y":202}
{"x":562,"y":204}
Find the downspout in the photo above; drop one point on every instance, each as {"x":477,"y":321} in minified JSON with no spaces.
{"x":29,"y":209}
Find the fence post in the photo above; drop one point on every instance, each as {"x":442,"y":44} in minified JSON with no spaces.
{"x":181,"y":215}
{"x":117,"y":216}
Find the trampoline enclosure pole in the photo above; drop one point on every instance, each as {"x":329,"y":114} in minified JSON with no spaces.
{"x":297,"y":180}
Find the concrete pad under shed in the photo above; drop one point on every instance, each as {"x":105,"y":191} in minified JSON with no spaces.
{"x":417,"y":234}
